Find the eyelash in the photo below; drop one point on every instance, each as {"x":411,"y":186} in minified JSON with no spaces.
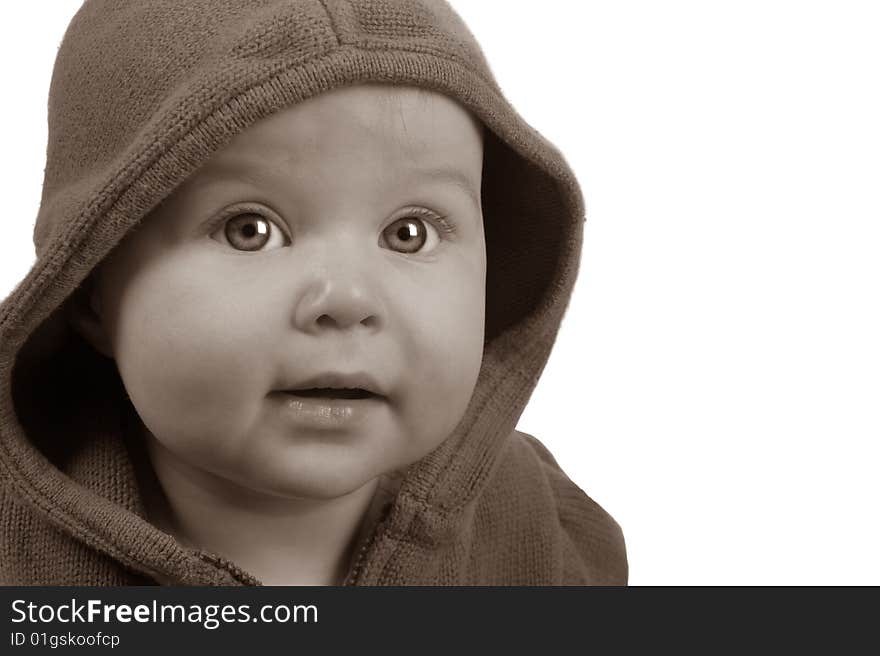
{"x":445,"y":227}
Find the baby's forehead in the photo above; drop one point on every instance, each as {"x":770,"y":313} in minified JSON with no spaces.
{"x":358,"y":134}
{"x":398,"y":122}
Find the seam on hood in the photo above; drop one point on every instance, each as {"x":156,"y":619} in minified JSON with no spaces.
{"x":331,"y":19}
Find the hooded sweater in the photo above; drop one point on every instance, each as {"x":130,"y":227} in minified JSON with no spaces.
{"x":142,"y":94}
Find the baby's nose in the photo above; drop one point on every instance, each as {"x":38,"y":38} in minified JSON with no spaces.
{"x":343,"y":315}
{"x":340,"y":299}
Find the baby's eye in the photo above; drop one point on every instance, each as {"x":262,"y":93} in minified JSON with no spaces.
{"x":249,"y":231}
{"x":410,"y":233}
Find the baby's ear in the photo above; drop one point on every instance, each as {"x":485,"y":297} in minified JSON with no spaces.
{"x":84,"y":316}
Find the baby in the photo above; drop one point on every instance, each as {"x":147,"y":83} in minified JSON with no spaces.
{"x":300,"y":266}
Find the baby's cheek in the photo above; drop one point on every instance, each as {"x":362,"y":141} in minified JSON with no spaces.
{"x":190,"y":377}
{"x":446,"y":372}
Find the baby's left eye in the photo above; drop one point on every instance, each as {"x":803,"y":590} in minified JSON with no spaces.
{"x":411,"y":233}
{"x":250,"y":231}
{"x":408,"y":234}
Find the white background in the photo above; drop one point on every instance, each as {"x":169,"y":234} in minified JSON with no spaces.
{"x":716,"y":380}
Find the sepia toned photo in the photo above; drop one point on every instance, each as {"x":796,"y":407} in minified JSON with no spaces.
{"x":439,"y":293}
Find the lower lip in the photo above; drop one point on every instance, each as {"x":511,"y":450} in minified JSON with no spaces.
{"x":322,"y":412}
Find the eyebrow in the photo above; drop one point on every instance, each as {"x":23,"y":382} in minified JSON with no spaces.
{"x":450,"y":175}
{"x":454,"y":177}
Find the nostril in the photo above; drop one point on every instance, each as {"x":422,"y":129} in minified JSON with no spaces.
{"x":326,"y":321}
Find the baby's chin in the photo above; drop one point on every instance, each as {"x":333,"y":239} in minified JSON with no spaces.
{"x":324,"y":469}
{"x":318,"y":488}
{"x":319,"y":481}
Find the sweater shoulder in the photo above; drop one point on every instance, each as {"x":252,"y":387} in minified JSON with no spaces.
{"x":594,"y":542}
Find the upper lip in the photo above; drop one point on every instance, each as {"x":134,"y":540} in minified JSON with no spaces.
{"x":338,"y":380}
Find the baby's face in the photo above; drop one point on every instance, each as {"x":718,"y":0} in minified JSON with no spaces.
{"x":340,"y":236}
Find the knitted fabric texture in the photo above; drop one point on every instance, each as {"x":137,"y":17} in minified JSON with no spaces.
{"x":142,"y":94}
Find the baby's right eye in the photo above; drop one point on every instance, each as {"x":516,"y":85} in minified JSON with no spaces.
{"x":250,"y":231}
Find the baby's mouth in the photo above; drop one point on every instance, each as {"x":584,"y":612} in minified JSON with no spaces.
{"x":332,"y":393}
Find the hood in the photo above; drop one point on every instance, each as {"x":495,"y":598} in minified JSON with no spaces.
{"x":142,"y":94}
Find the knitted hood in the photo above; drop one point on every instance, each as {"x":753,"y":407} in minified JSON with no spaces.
{"x":143,"y":93}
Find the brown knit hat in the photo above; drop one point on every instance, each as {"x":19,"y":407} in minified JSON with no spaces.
{"x":143,"y":93}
